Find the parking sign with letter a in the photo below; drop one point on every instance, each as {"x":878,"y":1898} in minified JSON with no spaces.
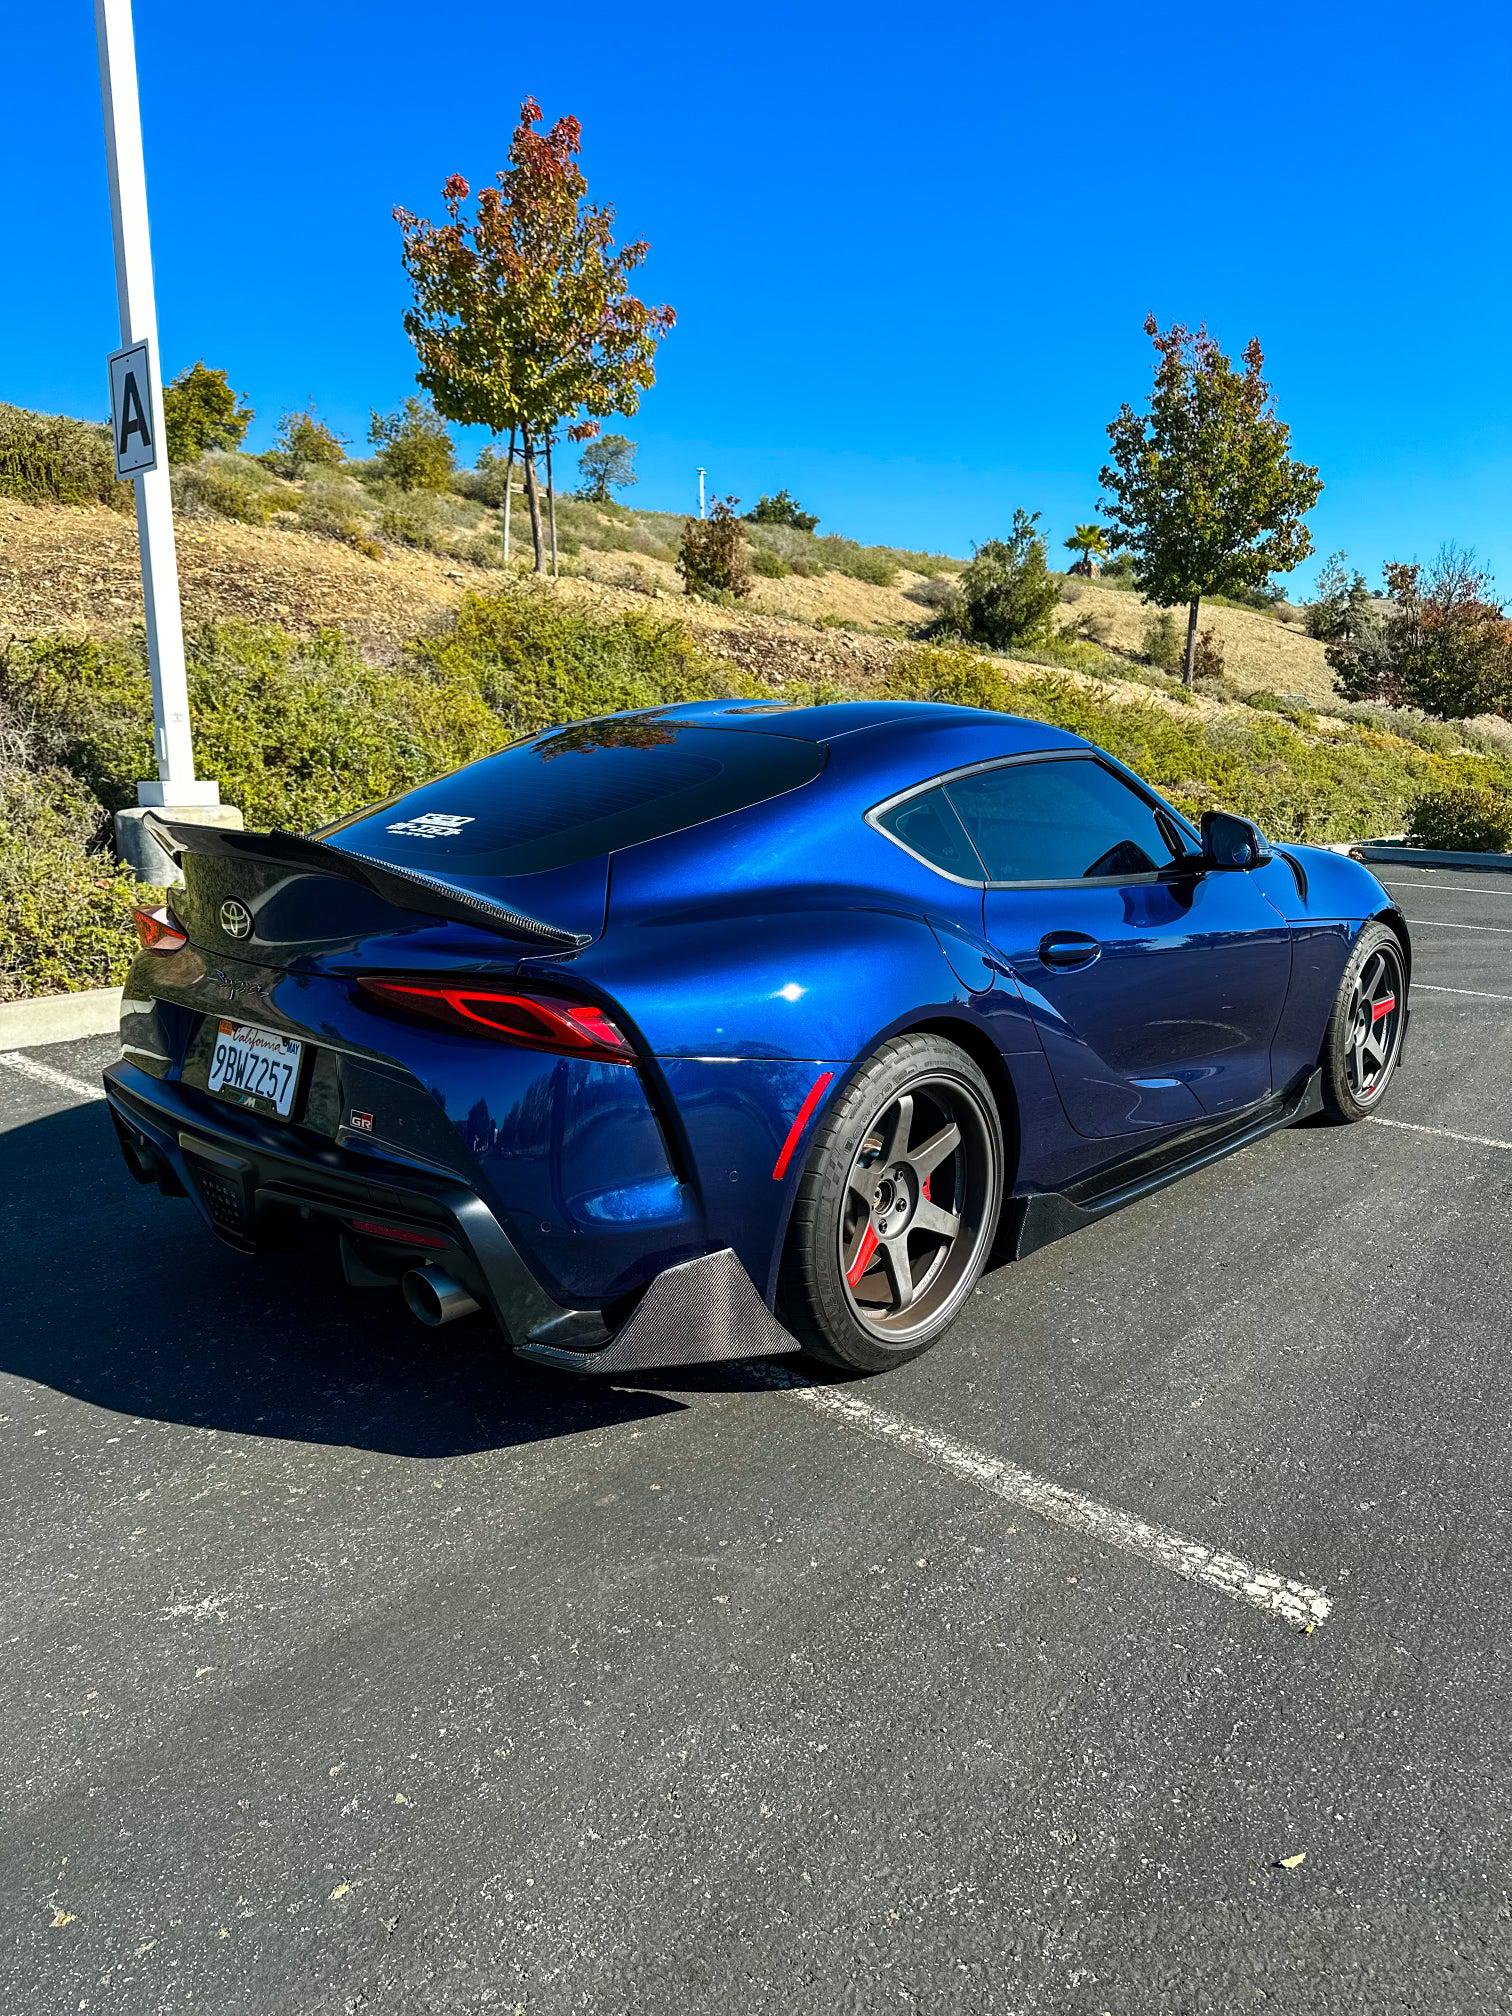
{"x":131,"y":411}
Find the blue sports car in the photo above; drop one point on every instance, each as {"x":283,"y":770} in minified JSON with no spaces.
{"x":718,"y":1029}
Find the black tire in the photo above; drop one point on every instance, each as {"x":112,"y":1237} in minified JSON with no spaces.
{"x":1366,"y":1026}
{"x":872,"y":1275}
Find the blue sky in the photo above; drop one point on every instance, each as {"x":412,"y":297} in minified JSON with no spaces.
{"x":910,"y":251}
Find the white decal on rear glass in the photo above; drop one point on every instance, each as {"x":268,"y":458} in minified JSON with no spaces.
{"x":433,"y":825}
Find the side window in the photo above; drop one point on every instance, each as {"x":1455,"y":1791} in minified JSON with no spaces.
{"x":1062,"y":822}
{"x":928,"y":826}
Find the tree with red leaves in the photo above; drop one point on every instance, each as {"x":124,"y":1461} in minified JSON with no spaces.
{"x":523,"y":314}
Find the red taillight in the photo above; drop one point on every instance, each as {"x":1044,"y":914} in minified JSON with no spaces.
{"x":158,"y":932}
{"x":537,"y":1021}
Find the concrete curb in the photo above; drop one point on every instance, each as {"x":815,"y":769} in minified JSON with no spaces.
{"x":59,"y":1018}
{"x":1423,"y":857}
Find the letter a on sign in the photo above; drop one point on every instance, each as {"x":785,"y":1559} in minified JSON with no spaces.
{"x":131,"y":411}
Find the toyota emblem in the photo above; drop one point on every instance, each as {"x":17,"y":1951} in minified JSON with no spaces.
{"x":235,"y":918}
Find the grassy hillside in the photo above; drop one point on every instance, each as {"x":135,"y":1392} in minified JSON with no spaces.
{"x":347,"y":640}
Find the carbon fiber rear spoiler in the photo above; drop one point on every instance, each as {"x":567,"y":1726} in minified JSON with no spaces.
{"x":402,"y":887}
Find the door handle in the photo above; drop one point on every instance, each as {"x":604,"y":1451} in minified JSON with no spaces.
{"x":1068,"y":948}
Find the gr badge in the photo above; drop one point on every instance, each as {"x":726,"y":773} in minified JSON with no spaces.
{"x":432,"y":825}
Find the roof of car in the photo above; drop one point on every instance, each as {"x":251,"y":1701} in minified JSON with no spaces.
{"x":885,"y":723}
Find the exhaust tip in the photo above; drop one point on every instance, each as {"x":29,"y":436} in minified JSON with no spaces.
{"x":434,"y":1297}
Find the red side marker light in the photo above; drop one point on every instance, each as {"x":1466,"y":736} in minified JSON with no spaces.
{"x":801,"y":1119}
{"x":158,"y":932}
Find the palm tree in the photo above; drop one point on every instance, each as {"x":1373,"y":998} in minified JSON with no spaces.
{"x":1091,"y":542}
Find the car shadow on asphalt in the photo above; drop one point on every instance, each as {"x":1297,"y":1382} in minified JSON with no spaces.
{"x":127,"y":1301}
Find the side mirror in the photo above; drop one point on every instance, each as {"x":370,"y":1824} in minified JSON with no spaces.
{"x":1231,"y":842}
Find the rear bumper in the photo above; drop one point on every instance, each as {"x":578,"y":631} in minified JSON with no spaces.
{"x":703,"y":1309}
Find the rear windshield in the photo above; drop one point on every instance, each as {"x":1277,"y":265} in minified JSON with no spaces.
{"x":578,"y":792}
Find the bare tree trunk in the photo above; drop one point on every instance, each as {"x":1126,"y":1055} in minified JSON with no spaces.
{"x":551,"y":504}
{"x":1190,"y":668}
{"x":533,"y":499}
{"x":508,"y":491}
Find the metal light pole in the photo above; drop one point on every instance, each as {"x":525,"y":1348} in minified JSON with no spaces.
{"x":700,"y":493}
{"x":176,"y":784}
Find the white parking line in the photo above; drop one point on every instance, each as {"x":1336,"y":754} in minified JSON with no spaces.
{"x":1471,"y":993}
{"x":44,"y":1074}
{"x":1443,"y":924}
{"x":1294,"y":1603}
{"x":1449,"y":888}
{"x":1443,"y":1133}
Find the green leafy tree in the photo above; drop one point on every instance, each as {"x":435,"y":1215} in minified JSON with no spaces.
{"x":201,"y":411}
{"x":607,"y":464}
{"x":1443,"y":643}
{"x":1090,"y":544}
{"x":305,"y":442}
{"x":1341,"y":602}
{"x":1008,"y":594}
{"x":712,"y":556}
{"x":1202,"y":489}
{"x":414,"y":446}
{"x":523,"y":314}
{"x":783,"y":509}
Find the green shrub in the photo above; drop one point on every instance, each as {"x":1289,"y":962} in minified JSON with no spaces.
{"x":955,"y":677}
{"x":200,"y":412}
{"x":64,"y":900}
{"x":1008,"y":593}
{"x":1072,"y":654}
{"x":484,"y":482}
{"x":1162,"y":643}
{"x":414,"y":448}
{"x":783,"y":509}
{"x":1442,"y":737}
{"x":771,"y":566}
{"x":295,"y":730}
{"x":1471,"y":818}
{"x":538,"y":660}
{"x":873,"y":564}
{"x":331,"y":514}
{"x":713,"y":557}
{"x":412,"y":520}
{"x":232,"y":486}
{"x":938,"y":594}
{"x":46,"y":458}
{"x":1285,"y":704}
{"x":305,"y":442}
{"x":483,"y":549}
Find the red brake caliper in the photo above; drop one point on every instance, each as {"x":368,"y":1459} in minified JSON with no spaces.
{"x":864,"y":1252}
{"x":1383,"y":1008}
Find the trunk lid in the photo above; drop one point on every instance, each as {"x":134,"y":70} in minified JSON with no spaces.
{"x":283,"y":900}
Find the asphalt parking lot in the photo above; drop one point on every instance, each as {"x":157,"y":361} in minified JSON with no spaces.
{"x":349,"y":1667}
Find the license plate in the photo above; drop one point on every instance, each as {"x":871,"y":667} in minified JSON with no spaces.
{"x":255,"y":1067}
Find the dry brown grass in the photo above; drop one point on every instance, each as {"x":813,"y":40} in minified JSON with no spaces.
{"x":68,"y":567}
{"x":76,"y":567}
{"x":1259,"y":652}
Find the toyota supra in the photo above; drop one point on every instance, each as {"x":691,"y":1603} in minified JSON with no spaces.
{"x":736,"y":1027}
